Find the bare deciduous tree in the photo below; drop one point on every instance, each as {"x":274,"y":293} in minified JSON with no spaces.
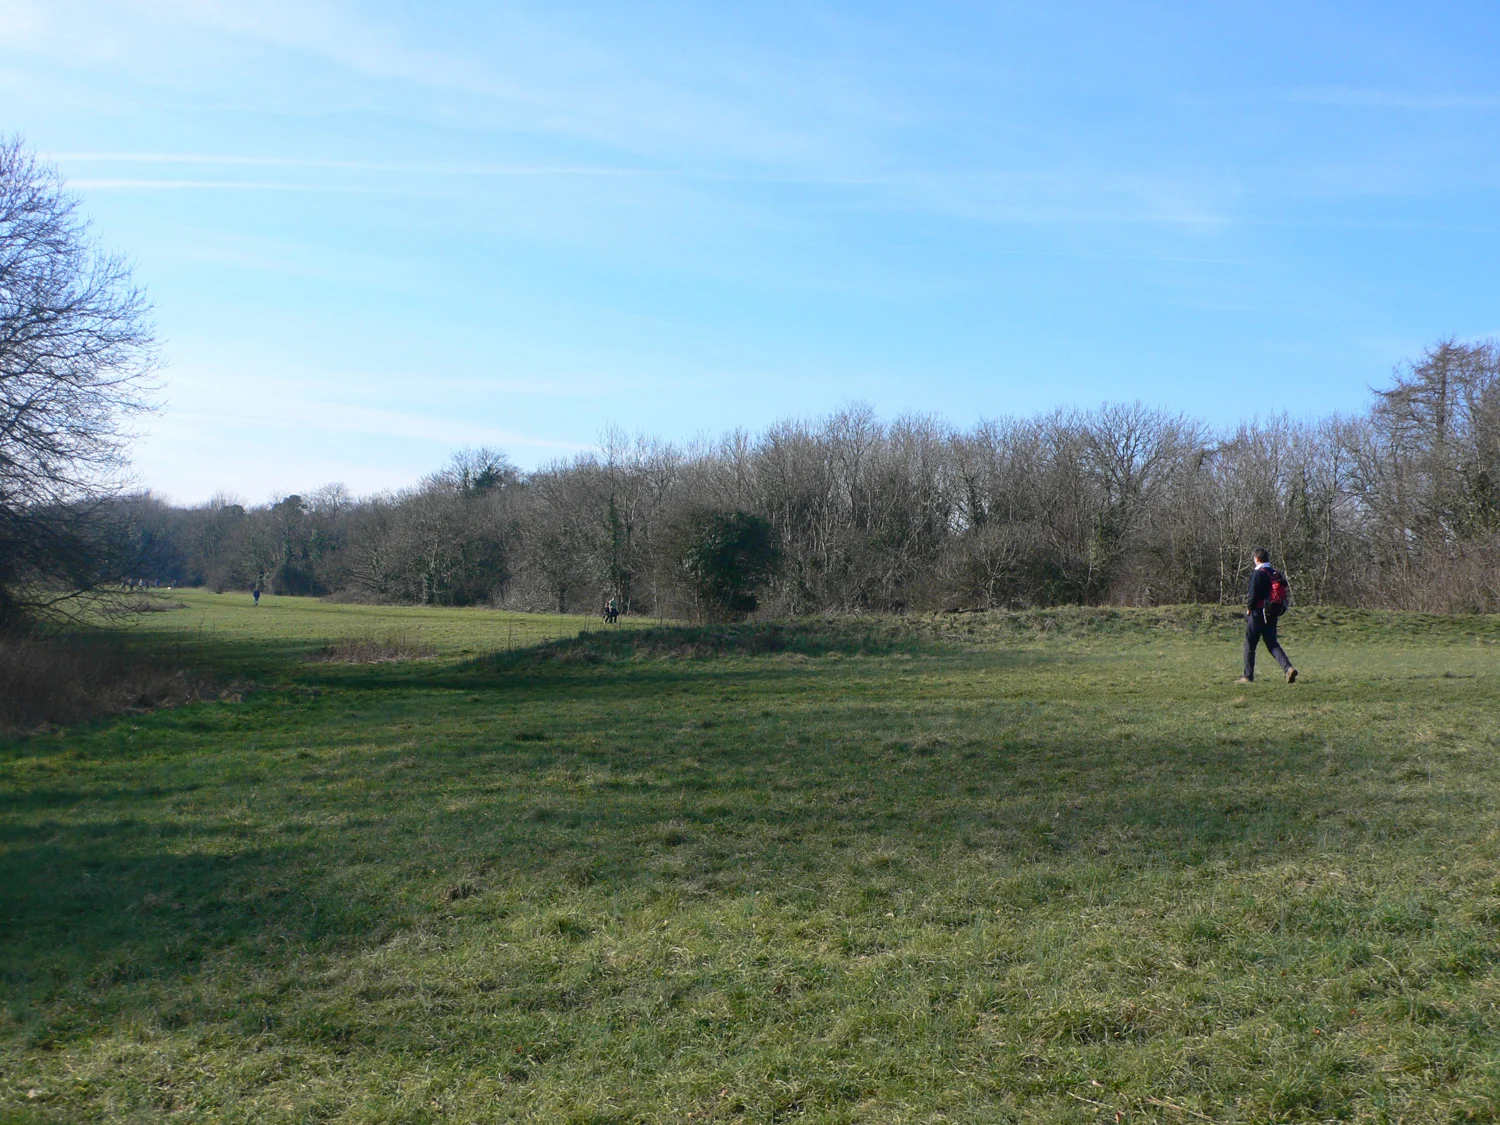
{"x":76,"y":353}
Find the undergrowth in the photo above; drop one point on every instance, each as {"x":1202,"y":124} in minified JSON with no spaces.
{"x":370,"y":649}
{"x":59,"y":680}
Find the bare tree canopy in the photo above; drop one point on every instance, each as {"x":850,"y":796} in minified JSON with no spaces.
{"x":1397,"y":507}
{"x":77,"y":349}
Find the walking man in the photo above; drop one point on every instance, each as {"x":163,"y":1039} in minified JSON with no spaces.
{"x":1263,"y":611}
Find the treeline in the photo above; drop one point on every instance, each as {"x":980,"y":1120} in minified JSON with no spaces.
{"x":1399,"y":507}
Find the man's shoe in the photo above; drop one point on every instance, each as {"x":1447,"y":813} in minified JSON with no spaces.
{"x":1244,"y":680}
{"x":1291,"y":675}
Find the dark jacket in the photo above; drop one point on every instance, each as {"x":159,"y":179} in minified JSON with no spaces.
{"x":1260,"y":587}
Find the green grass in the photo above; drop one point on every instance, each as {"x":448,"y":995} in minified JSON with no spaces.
{"x":1048,"y":866}
{"x":232,"y":633}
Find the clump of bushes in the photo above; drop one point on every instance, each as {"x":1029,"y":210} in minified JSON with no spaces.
{"x":724,"y":559}
{"x":51,"y":680}
{"x":369,"y":649}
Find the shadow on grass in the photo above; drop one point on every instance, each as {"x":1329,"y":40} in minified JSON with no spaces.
{"x":89,"y":922}
{"x":638,"y":663}
{"x":811,"y":637}
{"x":120,"y":899}
{"x":320,"y":863}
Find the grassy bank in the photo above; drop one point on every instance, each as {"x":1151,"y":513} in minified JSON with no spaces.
{"x":979,"y":868}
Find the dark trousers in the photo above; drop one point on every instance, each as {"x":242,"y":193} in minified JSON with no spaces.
{"x":1257,"y":629}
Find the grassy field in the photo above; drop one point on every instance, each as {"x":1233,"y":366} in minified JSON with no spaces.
{"x":1040,"y":867}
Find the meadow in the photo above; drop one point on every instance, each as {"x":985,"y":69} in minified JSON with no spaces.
{"x":1046,"y":866}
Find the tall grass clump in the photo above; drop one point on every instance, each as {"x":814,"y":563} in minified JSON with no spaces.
{"x":370,"y":649}
{"x":61,"y":680}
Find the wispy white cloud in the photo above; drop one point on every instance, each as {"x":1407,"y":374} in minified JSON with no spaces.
{"x":328,"y":417}
{"x":724,"y":111}
{"x":1175,"y":258}
{"x":1067,"y":196}
{"x":1074,"y":195}
{"x":219,"y":185}
{"x":1390,"y":99}
{"x":505,"y":67}
{"x":427,"y":168}
{"x":233,"y":431}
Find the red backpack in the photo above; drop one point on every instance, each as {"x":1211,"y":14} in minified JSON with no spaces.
{"x":1279,"y":597}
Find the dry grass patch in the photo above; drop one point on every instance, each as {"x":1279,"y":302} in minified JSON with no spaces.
{"x":65,"y":680}
{"x":391,"y":649}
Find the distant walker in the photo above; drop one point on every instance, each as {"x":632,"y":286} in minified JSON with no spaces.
{"x":1267,"y":601}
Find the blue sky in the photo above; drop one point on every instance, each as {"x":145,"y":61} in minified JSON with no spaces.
{"x":378,"y":231}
